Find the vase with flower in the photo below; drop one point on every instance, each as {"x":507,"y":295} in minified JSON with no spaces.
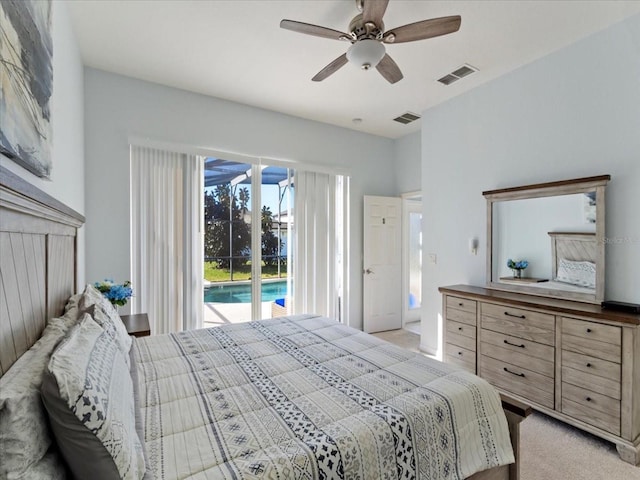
{"x":517,"y":267}
{"x":118,"y":294}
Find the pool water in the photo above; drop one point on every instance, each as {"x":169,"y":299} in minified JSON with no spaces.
{"x":242,"y":293}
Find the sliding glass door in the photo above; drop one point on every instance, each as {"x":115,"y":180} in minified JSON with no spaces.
{"x":247,"y":220}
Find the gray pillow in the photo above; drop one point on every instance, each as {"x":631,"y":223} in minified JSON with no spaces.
{"x":88,"y":395}
{"x":83,"y":452}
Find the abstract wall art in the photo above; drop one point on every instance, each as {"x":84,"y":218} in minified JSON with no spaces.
{"x":26,"y":81}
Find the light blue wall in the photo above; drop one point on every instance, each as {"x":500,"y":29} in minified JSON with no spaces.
{"x":408,"y":163}
{"x":574,"y":113}
{"x":117,"y":107}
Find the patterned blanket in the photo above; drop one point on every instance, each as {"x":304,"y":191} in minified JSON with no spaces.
{"x":305,"y":397}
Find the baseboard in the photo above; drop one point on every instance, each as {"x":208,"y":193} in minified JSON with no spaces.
{"x":428,"y":350}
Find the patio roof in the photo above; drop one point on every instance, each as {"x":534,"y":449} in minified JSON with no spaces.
{"x":219,"y":172}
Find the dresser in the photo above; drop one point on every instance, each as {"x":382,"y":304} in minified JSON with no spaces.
{"x":573,"y":361}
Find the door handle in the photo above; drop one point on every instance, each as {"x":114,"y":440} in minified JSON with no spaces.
{"x":368,"y":271}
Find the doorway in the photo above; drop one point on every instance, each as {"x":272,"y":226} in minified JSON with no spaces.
{"x":412,"y":261}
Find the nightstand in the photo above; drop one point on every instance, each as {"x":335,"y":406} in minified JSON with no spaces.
{"x":137,"y":325}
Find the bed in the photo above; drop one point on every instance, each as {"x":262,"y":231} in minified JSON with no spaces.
{"x":292,"y":397}
{"x":573,"y":263}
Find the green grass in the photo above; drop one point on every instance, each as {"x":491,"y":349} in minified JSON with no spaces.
{"x":214,"y":274}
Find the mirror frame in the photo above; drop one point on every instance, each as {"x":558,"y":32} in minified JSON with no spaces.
{"x":563,"y":187}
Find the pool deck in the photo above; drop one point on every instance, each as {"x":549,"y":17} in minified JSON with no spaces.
{"x":216,"y":314}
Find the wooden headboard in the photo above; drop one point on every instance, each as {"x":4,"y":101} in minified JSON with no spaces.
{"x":573,"y":246}
{"x":37,"y":263}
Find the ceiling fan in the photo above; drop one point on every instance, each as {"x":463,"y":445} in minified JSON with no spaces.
{"x":367,"y":37}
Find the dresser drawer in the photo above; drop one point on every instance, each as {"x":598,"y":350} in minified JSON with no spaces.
{"x":461,"y":357}
{"x":591,"y":400}
{"x":593,"y":339}
{"x":461,"y":340}
{"x":594,"y":383}
{"x":515,"y":344}
{"x":461,"y":329}
{"x":609,"y":423}
{"x":521,"y":381}
{"x":519,"y":359}
{"x":534,"y":326}
{"x":591,"y":365}
{"x":462,"y":304}
{"x":592,"y":331}
{"x":461,"y":316}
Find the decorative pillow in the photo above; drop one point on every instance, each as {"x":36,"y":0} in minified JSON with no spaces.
{"x":88,"y":394}
{"x":24,"y":432}
{"x":582,"y":274}
{"x":106,"y":316}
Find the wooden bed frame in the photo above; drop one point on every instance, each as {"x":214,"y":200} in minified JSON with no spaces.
{"x":37,"y":265}
{"x":38,"y":275}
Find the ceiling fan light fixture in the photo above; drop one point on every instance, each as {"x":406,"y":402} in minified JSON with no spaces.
{"x":366,"y":53}
{"x":368,"y":37}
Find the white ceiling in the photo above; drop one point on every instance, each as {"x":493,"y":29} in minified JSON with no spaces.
{"x":235,"y":50}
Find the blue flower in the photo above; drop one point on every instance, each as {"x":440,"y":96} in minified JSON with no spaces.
{"x":115,"y":293}
{"x":517,"y":265}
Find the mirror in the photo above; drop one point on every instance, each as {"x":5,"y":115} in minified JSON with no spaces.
{"x":548,"y":239}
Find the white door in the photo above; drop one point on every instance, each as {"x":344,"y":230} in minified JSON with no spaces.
{"x":382,"y":280}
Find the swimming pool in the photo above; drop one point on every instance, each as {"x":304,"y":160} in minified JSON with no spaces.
{"x":242,"y":293}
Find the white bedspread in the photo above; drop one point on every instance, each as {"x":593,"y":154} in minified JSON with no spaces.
{"x":304,"y":397}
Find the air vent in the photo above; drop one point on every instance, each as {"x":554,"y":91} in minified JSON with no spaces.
{"x":407,"y":118}
{"x":448,"y":79}
{"x":457,"y":74}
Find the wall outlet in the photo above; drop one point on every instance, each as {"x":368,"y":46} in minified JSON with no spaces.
{"x":433,"y":258}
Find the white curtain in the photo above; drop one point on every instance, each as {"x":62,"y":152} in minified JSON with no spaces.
{"x":317,"y":256}
{"x":166,"y":238}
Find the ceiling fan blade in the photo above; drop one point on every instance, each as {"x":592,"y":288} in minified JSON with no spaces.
{"x":422,"y":30}
{"x":332,"y":68}
{"x":373,"y":11}
{"x":316,"y":30}
{"x":389,"y":69}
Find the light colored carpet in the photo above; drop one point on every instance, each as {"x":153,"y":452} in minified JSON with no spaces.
{"x":552,"y":450}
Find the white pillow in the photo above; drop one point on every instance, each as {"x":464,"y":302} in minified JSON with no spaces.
{"x":582,"y":274}
{"x":107,"y":317}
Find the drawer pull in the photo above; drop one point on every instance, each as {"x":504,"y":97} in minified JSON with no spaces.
{"x":512,"y":315}
{"x":513,"y":373}
{"x":588,"y":399}
{"x":588,"y":330}
{"x":460,"y":328}
{"x":461,"y":304}
{"x":589,"y":365}
{"x":459,"y":353}
{"x":514,"y":344}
